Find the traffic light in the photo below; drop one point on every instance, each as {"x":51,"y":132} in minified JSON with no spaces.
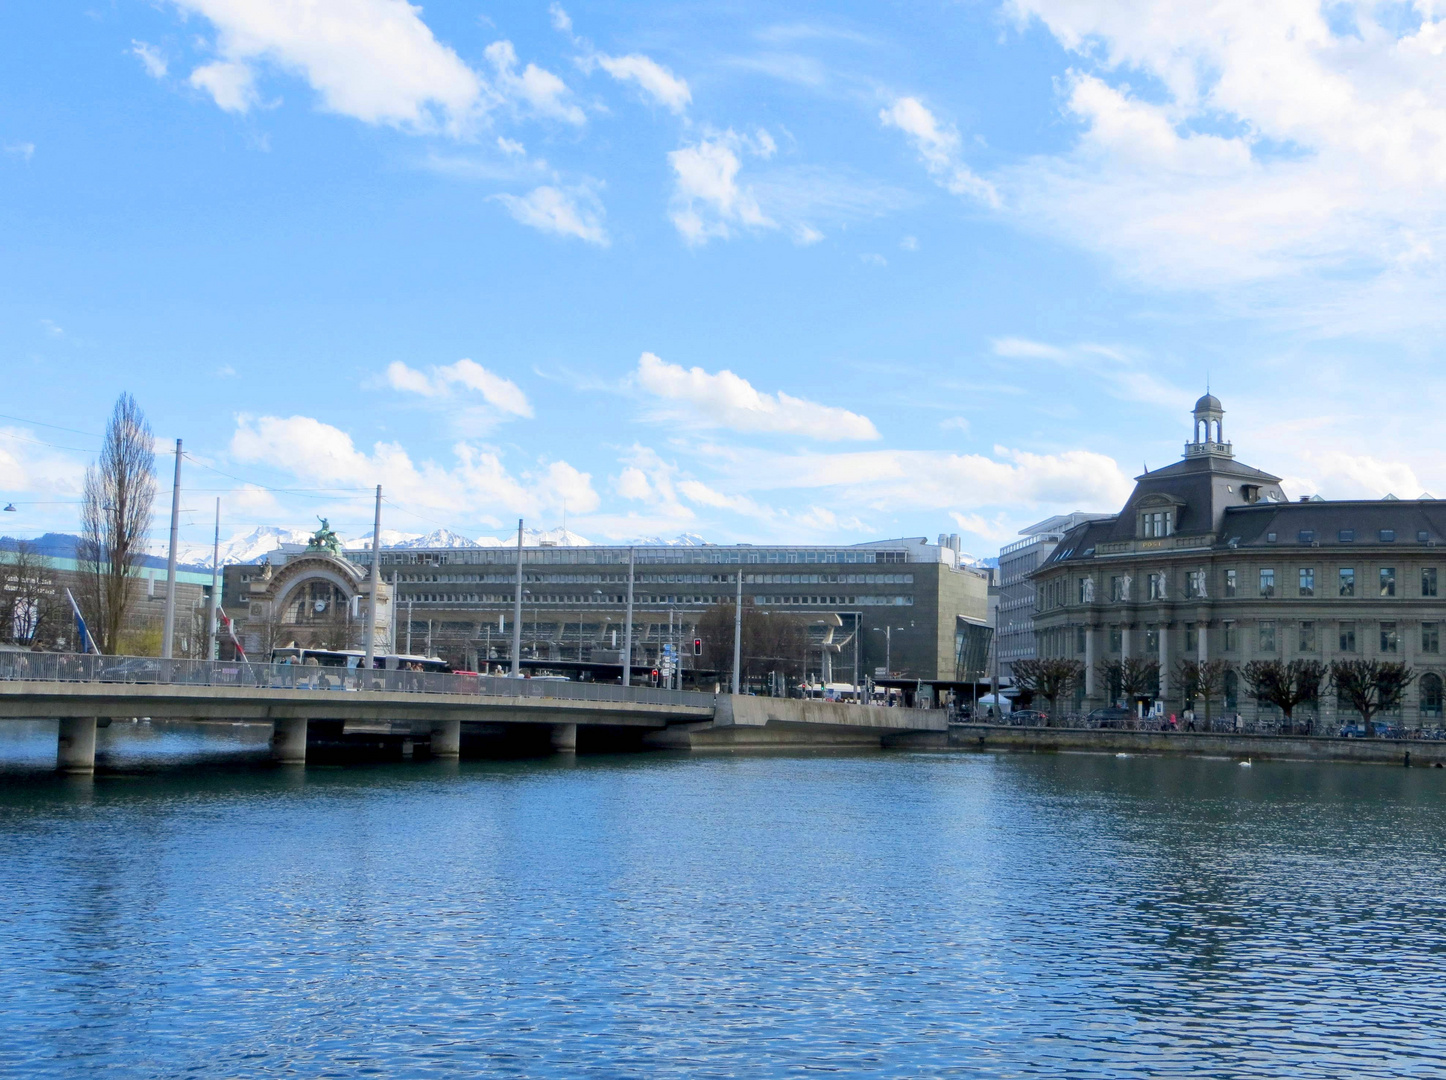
{"x":655,"y":676}
{"x":697,"y":646}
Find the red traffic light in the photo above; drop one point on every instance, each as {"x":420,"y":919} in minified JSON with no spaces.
{"x":697,"y":646}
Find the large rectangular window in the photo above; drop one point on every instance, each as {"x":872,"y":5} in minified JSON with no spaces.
{"x":1227,"y":635}
{"x":1348,"y":581}
{"x":1079,"y":639}
{"x":1267,"y":636}
{"x":1192,"y":639}
{"x":1195,"y":583}
{"x":1267,"y":583}
{"x":1230,"y":583}
{"x":1116,"y":639}
{"x":1152,"y":642}
{"x":1348,"y":637}
{"x":1428,"y":581}
{"x":1390,"y":640}
{"x":1307,"y":637}
{"x":1157,"y":524}
{"x":1157,"y":586}
{"x":1430,"y":637}
{"x":1388,"y":581}
{"x":1307,"y":581}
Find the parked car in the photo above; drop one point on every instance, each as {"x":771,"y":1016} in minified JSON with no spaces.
{"x":1027,"y":717}
{"x":132,"y":669}
{"x":1111,"y":716}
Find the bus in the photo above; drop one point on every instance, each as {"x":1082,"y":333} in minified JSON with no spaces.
{"x":354,"y":659}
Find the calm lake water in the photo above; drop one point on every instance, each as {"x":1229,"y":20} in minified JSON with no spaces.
{"x":887,"y":914}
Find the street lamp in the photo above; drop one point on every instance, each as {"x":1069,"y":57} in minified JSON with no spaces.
{"x":888,"y":632}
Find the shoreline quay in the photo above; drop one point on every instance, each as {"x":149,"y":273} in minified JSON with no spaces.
{"x":1419,"y":753}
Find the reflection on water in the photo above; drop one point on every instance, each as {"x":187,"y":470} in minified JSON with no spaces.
{"x":898,"y":915}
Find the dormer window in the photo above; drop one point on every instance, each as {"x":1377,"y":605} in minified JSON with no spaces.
{"x":1250,"y":492}
{"x":1157,"y":523}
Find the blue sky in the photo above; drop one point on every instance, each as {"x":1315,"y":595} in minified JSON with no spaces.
{"x":760,"y":272}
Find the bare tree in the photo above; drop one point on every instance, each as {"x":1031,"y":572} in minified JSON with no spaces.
{"x":1371,"y":686}
{"x":119,"y":494}
{"x":1285,"y":685}
{"x":1050,"y":678}
{"x":771,"y":642}
{"x":32,"y":611}
{"x":1204,"y":680}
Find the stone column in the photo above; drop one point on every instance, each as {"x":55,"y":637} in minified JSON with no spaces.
{"x":1124,"y":641}
{"x":1089,"y":662}
{"x":1165,"y":662}
{"x":447,"y":738}
{"x":288,"y":741}
{"x":1202,"y":640}
{"x":75,"y":746}
{"x":564,"y":738}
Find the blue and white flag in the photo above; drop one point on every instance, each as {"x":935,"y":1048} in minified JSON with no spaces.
{"x":87,"y":643}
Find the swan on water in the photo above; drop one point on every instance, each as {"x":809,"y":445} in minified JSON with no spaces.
{"x":1245,"y":764}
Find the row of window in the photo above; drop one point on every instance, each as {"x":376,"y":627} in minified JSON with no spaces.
{"x":664,"y":579}
{"x":1347,"y":583}
{"x":1269,"y":633}
{"x":1348,"y":536}
{"x":653,"y":599}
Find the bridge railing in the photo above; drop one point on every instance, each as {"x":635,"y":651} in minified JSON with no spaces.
{"x":151,"y":670}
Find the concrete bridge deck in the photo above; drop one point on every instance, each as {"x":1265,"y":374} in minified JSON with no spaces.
{"x":433,"y":708}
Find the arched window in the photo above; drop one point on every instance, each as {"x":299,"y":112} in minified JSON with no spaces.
{"x":1232,"y":690}
{"x":1431,"y":695}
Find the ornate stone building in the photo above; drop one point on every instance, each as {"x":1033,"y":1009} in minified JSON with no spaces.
{"x":314,"y":597}
{"x":1209,"y":559}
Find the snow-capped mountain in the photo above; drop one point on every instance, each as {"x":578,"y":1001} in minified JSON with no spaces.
{"x":243,"y":547}
{"x":532,"y":537}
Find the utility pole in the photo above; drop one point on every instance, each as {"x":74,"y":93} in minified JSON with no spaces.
{"x":409,"y":626}
{"x":628,"y":626}
{"x":376,"y":583}
{"x":738,"y":628}
{"x":211,"y":625}
{"x":517,"y":611}
{"x":170,"y":627}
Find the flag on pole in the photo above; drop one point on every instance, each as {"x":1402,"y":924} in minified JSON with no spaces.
{"x":87,"y":643}
{"x":231,"y":632}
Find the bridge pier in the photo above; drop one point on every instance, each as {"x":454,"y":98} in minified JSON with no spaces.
{"x":447,"y":738}
{"x":75,"y":746}
{"x":564,"y":738}
{"x":288,"y":741}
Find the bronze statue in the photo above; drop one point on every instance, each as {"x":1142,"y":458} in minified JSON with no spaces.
{"x":325,"y":539}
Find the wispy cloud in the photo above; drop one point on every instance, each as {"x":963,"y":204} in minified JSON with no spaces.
{"x":939,"y":148}
{"x":574,"y":211}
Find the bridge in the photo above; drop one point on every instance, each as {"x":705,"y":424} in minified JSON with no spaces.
{"x":436,"y":713}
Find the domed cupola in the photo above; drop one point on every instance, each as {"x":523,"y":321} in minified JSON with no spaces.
{"x":1209,"y":439}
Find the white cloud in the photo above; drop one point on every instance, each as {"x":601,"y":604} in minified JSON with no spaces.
{"x":1299,"y":146}
{"x":652,"y":78}
{"x":1123,"y":375}
{"x":511,"y":147}
{"x":542,"y":91}
{"x":501,"y":393}
{"x":151,"y":59}
{"x":909,"y":243}
{"x":24,"y":150}
{"x":27,"y":466}
{"x":561,"y":21}
{"x":230,"y":84}
{"x":573,"y":211}
{"x":955,"y":423}
{"x":873,"y":258}
{"x":938,"y":146}
{"x":729,"y":401}
{"x":707,"y":198}
{"x":1023,"y":347}
{"x":374,"y":60}
{"x":475,"y":485}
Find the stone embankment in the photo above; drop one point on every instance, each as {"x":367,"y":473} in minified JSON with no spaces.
{"x":1415,"y":752}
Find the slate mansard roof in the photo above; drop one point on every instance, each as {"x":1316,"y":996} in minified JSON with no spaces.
{"x":1216,"y":502}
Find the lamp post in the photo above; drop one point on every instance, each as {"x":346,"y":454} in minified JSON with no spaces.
{"x":888,"y":632}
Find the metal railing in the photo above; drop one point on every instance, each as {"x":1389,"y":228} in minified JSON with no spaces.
{"x":150,"y":670}
{"x":1383,"y":727}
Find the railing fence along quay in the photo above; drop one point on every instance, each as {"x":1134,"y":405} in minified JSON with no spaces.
{"x":149,"y":670}
{"x":1386,"y":727}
